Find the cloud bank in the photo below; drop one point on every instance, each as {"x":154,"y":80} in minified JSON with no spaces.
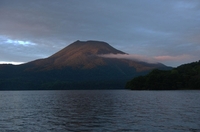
{"x":155,"y":59}
{"x":129,"y":57}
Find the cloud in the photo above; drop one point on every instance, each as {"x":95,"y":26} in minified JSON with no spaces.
{"x":172,"y":58}
{"x":11,"y":62}
{"x":149,"y":28}
{"x":19,"y":42}
{"x":129,"y":57}
{"x":13,"y":50}
{"x":166,"y":59}
{"x":7,"y":40}
{"x":177,"y":59}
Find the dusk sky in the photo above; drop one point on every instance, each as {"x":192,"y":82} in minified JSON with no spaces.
{"x":167,"y":31}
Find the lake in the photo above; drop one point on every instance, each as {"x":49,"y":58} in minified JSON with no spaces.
{"x":100,"y":111}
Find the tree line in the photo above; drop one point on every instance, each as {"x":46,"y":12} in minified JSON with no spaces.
{"x":186,"y":76}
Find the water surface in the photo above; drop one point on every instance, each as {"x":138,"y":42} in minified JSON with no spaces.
{"x":94,"y":110}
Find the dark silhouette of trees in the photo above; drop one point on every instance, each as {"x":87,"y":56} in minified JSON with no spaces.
{"x":186,"y":76}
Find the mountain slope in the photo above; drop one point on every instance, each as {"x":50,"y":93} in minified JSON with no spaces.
{"x":78,"y":55}
{"x":84,"y":55}
{"x":77,"y":66}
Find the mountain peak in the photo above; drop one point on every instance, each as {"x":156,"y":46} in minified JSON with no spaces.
{"x":79,"y":54}
{"x":92,"y":47}
{"x":85,"y":55}
{"x":82,"y":49}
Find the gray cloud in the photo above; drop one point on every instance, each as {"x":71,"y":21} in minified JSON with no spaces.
{"x":155,"y":59}
{"x":148,"y":28}
{"x":130,"y":57}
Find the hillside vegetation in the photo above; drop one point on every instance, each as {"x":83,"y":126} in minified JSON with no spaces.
{"x":186,"y":76}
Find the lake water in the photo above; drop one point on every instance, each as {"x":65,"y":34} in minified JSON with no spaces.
{"x":100,"y":111}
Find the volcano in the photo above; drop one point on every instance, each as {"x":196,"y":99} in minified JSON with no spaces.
{"x":79,"y":55}
{"x":77,"y":66}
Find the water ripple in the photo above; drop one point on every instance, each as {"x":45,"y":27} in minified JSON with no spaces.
{"x":86,"y":111}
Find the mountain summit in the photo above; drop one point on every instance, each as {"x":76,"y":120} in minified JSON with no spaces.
{"x":80,"y":54}
{"x":77,"y":66}
{"x":88,"y":47}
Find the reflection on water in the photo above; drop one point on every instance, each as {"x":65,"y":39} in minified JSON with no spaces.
{"x":106,"y":110}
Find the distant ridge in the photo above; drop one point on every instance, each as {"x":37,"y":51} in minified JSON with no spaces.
{"x":77,"y":66}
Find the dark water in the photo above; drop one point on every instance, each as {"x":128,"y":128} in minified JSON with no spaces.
{"x":115,"y":110}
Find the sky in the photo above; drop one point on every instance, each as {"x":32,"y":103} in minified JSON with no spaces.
{"x":167,"y":31}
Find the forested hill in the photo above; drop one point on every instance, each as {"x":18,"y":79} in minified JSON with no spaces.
{"x":186,"y":76}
